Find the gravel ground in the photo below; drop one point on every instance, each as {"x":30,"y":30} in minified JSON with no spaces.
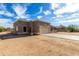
{"x":39,"y":45}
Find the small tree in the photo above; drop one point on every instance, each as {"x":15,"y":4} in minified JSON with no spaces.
{"x":2,"y":29}
{"x":72,"y":28}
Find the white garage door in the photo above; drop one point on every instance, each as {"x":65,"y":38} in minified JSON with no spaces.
{"x":44,"y":30}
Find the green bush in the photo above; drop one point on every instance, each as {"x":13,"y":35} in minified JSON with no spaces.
{"x":2,"y":29}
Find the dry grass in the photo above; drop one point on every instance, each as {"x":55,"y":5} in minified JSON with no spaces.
{"x":38,"y":45}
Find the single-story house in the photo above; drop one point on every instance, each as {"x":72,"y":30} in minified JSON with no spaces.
{"x":32,"y":27}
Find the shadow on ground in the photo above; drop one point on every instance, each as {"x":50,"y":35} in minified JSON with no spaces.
{"x":9,"y":36}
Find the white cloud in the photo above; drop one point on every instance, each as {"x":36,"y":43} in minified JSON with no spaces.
{"x":47,"y":12}
{"x":69,"y":8}
{"x":23,"y":16}
{"x":28,"y":19}
{"x":20,"y":10}
{"x":39,"y":17}
{"x":4,"y":11}
{"x":54,"y":5}
{"x":58,"y":15}
{"x":40,"y":11}
{"x":69,"y":21}
{"x":6,"y":22}
{"x":9,"y":14}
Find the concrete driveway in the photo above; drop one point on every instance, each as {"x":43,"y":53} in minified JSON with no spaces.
{"x":64,"y":36}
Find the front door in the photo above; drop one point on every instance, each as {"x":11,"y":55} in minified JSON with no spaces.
{"x":24,"y":29}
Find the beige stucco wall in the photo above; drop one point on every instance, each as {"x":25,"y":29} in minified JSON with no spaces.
{"x":19,"y":26}
{"x":36,"y":26}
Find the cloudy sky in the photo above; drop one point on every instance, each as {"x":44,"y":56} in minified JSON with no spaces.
{"x":55,"y":13}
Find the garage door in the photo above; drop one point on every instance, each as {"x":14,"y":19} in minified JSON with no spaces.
{"x":44,"y":30}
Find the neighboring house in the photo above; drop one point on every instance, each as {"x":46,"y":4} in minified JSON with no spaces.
{"x":62,"y":28}
{"x":32,"y":27}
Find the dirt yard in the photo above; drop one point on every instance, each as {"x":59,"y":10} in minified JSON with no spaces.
{"x":39,"y":45}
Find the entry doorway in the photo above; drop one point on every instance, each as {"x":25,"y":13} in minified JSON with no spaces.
{"x":24,"y":29}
